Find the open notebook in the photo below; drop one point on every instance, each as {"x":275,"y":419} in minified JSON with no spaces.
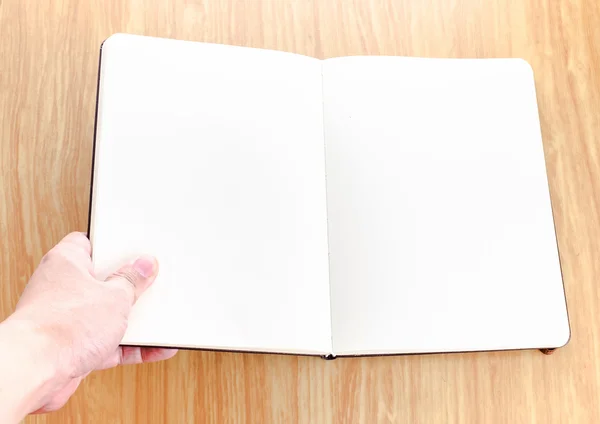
{"x":350,"y":206}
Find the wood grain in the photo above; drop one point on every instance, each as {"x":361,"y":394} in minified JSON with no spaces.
{"x":48,"y":68}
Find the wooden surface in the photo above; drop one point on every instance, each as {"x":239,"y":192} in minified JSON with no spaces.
{"x":48,"y":68}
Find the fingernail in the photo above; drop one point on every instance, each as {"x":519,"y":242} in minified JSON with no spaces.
{"x":145,"y":265}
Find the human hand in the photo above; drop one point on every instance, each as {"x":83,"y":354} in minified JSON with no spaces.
{"x":80,"y":320}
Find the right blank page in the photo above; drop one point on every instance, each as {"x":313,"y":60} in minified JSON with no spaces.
{"x":440,"y":224}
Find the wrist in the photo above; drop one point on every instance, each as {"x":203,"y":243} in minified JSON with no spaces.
{"x":28,"y":370}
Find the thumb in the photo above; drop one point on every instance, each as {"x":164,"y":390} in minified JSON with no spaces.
{"x":137,"y":276}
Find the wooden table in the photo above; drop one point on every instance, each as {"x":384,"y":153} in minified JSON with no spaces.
{"x":48,"y":69}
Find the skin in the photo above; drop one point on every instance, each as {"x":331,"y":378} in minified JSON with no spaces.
{"x":67,"y":324}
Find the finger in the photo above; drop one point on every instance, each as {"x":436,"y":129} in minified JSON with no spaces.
{"x":78,"y":240}
{"x":130,"y":355}
{"x":135,"y":278}
{"x":155,"y":354}
{"x":124,"y":355}
{"x":112,"y":361}
{"x":136,"y":355}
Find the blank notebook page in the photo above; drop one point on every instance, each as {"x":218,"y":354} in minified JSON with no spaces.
{"x":440,"y":228}
{"x":211,"y":158}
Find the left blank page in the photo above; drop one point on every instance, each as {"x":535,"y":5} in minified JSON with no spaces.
{"x":211,"y":158}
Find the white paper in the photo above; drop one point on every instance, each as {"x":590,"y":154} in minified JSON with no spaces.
{"x":212,"y":159}
{"x":441,"y":235}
